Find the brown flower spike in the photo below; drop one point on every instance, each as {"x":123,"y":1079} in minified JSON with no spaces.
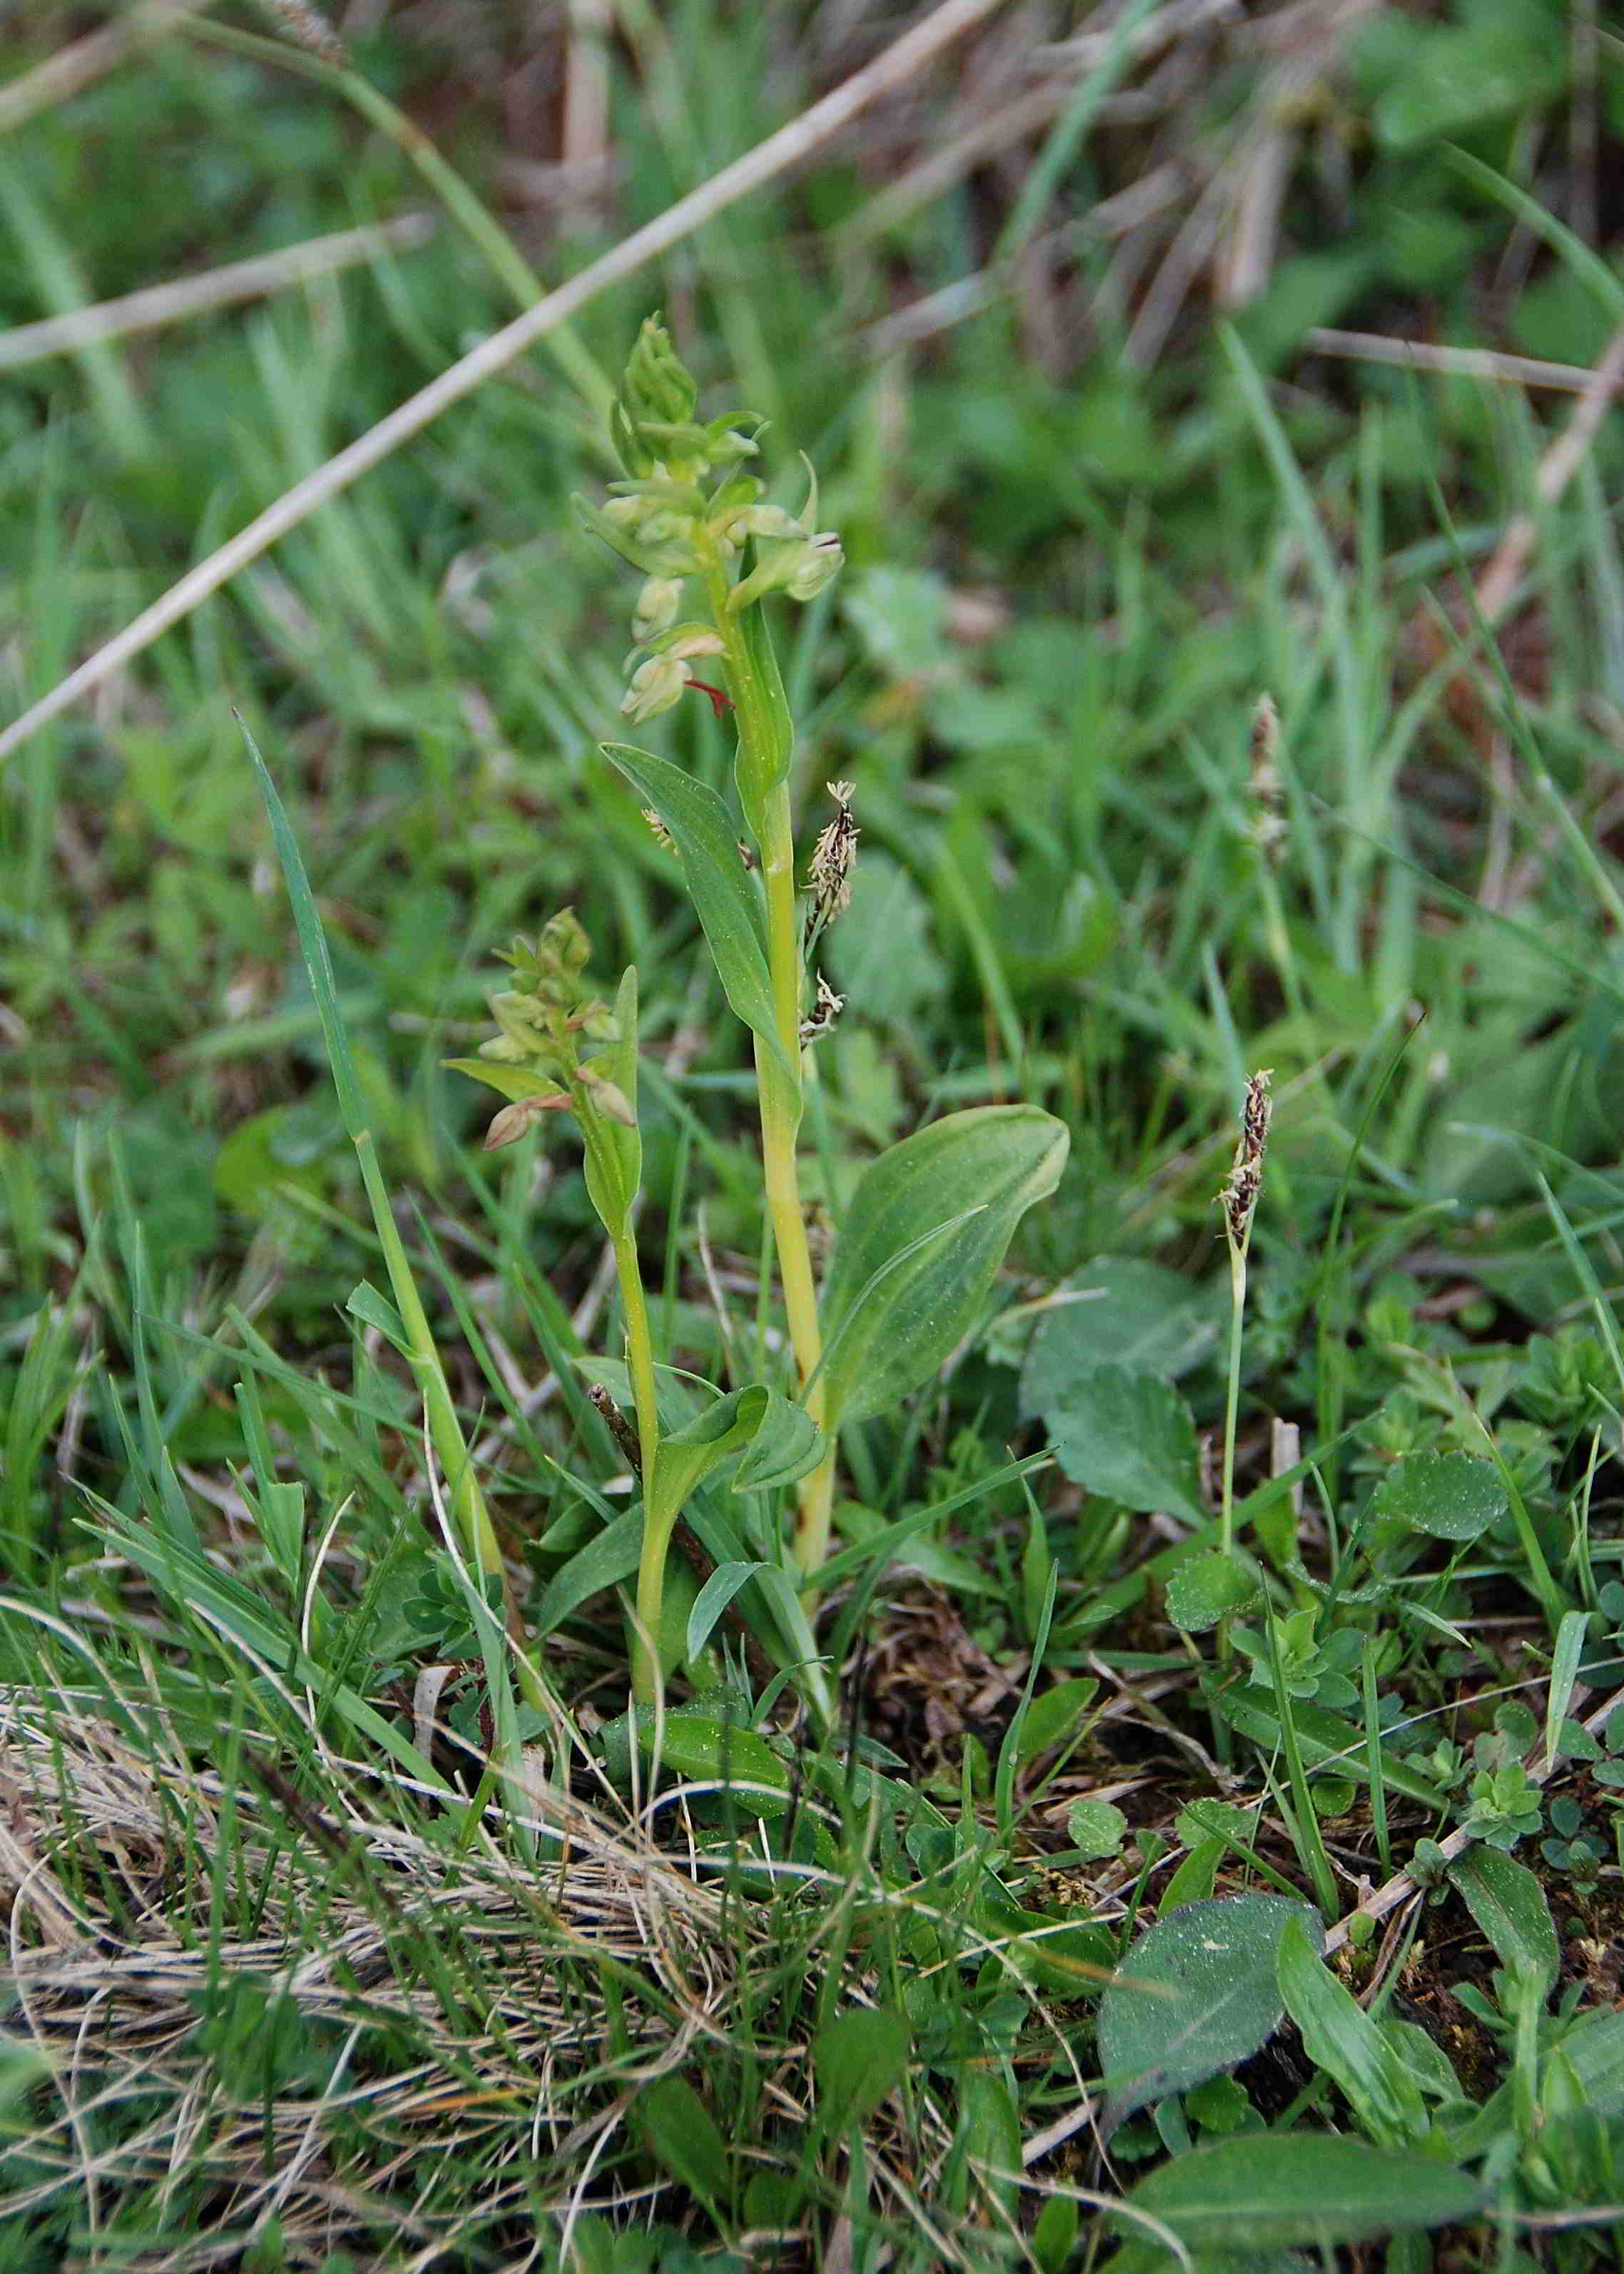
{"x":1239,"y":1196}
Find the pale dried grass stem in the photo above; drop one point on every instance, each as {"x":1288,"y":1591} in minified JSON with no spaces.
{"x":157,"y":304}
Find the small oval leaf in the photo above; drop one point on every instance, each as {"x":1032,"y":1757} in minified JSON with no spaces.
{"x":857,"y":2058}
{"x":1206,"y":1589}
{"x":681,"y":2135}
{"x":1198,"y":1992}
{"x":927,"y":1227}
{"x":1451,"y":1495}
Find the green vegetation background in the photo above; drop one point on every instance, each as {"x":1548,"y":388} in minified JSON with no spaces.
{"x":1102,"y":478}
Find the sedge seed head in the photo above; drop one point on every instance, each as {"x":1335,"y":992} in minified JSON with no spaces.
{"x":1239,"y":1197}
{"x":1266,"y":827}
{"x":307,"y":27}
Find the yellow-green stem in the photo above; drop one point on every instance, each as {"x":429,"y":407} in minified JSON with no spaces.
{"x":780,"y":1099}
{"x":639,"y":1352}
{"x":656,"y":1531}
{"x":780,"y":1119}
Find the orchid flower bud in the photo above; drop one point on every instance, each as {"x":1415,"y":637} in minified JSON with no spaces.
{"x":821,"y":561}
{"x":655,"y":686}
{"x":657,"y":607}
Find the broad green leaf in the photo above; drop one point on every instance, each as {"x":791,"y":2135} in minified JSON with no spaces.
{"x":1451,"y":1495}
{"x":713,"y":1601}
{"x":613,"y":1151}
{"x":1461,"y":77}
{"x":1138,"y":2256}
{"x":1426,"y":2060}
{"x":605,"y":1560}
{"x":1207,"y":1589}
{"x":705,"y":1746}
{"x":1261,"y":2191}
{"x":1197,"y":1993}
{"x":1593,"y":2049}
{"x":1056,"y":1715}
{"x":1193,"y":1881}
{"x":1509,"y":1905}
{"x":680,"y":2134}
{"x":1119,"y":1311}
{"x":1095,"y":1828}
{"x":778,"y":1440}
{"x":1129,"y":1437}
{"x":1340,"y":2038}
{"x":928,"y":1225}
{"x":990,"y":2131}
{"x":1054,"y":2238}
{"x":857,"y":2059}
{"x":718,"y":884}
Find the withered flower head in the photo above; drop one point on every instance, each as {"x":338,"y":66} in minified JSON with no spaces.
{"x":833,"y":856}
{"x":1239,"y":1197}
{"x":823,"y":1013}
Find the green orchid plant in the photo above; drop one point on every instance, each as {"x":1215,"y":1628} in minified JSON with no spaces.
{"x":927,"y":1224}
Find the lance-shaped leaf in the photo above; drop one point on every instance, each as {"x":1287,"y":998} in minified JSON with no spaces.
{"x":759,"y":771}
{"x":778,"y":1440}
{"x":929,"y":1225}
{"x":613,"y":1146}
{"x":516,"y":1082}
{"x":723,"y":895}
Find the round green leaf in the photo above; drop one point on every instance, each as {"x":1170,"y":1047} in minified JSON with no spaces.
{"x":1096,"y":1828}
{"x":1129,"y":1437}
{"x":1118,"y":1311}
{"x":1451,"y":1495}
{"x":1206,"y":1589}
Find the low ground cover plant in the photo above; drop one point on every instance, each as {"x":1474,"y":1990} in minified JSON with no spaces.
{"x":945,"y":1591}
